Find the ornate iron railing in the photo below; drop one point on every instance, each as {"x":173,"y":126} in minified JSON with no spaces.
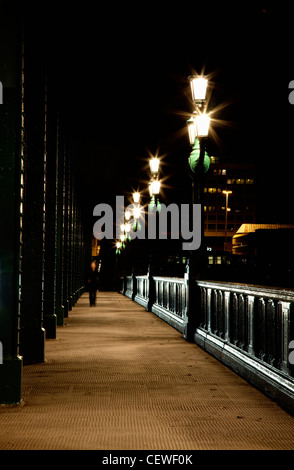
{"x":253,"y":319}
{"x":249,"y":328}
{"x":171,"y":301}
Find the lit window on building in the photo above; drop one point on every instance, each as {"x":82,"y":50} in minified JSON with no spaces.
{"x":210,"y":259}
{"x":240,"y":181}
{"x":224,"y":172}
{"x":249,"y":181}
{"x":218,"y":260}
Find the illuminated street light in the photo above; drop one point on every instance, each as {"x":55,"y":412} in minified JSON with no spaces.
{"x":155,"y":187}
{"x":137,"y":212}
{"x":127,"y":215}
{"x":136,"y":198}
{"x":226,"y":192}
{"x":198,"y":126}
{"x":192,"y":130}
{"x":202,"y":125}
{"x":198,"y":88}
{"x":154,"y":165}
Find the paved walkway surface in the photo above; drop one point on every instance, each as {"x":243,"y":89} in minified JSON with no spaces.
{"x":119,"y":378}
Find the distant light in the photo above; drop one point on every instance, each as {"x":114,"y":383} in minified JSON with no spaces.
{"x":154,"y":165}
{"x":127,"y":228}
{"x":122,"y":237}
{"x":118,"y":245}
{"x":127,"y":215}
{"x":198,"y":87}
{"x":137,"y":212}
{"x":155,"y":187}
{"x":122,"y":227}
{"x":136,"y":197}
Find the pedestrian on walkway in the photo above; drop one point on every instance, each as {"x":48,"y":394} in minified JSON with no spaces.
{"x":93,"y":283}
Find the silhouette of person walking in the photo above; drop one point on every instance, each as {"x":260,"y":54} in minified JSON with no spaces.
{"x":93,"y":283}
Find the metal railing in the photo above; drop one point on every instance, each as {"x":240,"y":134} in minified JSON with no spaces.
{"x":142,"y":290}
{"x":253,"y":319}
{"x":171,"y":301}
{"x":247,"y":327}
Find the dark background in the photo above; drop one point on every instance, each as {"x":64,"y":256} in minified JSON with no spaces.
{"x":120,"y":71}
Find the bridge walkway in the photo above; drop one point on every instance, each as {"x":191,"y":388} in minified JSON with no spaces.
{"x":119,"y":378}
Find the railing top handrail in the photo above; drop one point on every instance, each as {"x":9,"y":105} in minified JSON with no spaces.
{"x":169,"y":279}
{"x":250,"y":289}
{"x":141,"y":276}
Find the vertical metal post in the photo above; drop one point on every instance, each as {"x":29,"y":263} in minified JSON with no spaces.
{"x":32,"y":335}
{"x":50,"y":319}
{"x":59,"y":309}
{"x":11,"y":205}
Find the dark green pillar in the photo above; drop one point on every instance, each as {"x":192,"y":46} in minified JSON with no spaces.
{"x":32,"y":338}
{"x":59,"y":246}
{"x":65,"y":301}
{"x":50,"y":318}
{"x":10,"y":208}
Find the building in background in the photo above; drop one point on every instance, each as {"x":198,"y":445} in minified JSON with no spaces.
{"x":240,"y":180}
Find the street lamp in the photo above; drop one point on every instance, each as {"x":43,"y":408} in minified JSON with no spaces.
{"x":199,"y":163}
{"x":154,"y":165}
{"x":136,"y":197}
{"x":198,"y":129}
{"x":202,"y":124}
{"x":198,"y":88}
{"x":226,"y":192}
{"x":154,"y":184}
{"x":154,"y":187}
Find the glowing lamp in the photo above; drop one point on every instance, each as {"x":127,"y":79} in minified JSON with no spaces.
{"x":192,"y":130}
{"x":127,"y":215}
{"x":137,"y":212}
{"x":118,"y":245}
{"x":154,"y":165}
{"x":127,"y":228}
{"x":136,"y":197}
{"x":202,"y":124}
{"x":198,"y":87}
{"x":155,"y":187}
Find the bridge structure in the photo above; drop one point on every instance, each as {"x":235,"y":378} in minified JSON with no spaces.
{"x":45,"y":247}
{"x":247,"y":327}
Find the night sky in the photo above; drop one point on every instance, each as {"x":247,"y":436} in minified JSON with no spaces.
{"x":121,"y":72}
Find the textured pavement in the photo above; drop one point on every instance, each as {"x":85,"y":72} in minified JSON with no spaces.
{"x":119,"y":378}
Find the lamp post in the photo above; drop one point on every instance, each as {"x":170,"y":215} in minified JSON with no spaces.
{"x":154,"y":184}
{"x":198,"y":129}
{"x":199,"y":162}
{"x":226,"y":192}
